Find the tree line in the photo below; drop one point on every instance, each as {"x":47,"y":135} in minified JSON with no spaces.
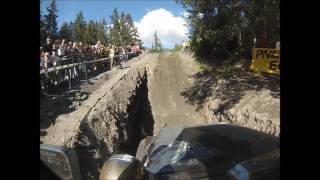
{"x":120,"y":31}
{"x":223,"y":30}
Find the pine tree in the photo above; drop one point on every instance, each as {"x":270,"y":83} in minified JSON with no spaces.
{"x":124,"y":31}
{"x":43,"y":34}
{"x":115,"y":28}
{"x":79,"y":27}
{"x":140,"y":43}
{"x":157,"y":47}
{"x":51,"y":20}
{"x":89,"y":34}
{"x":132,"y":31}
{"x":71,"y":27}
{"x":65,"y":32}
{"x":105,"y":31}
{"x":101,"y":31}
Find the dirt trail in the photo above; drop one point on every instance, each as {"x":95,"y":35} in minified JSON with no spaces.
{"x":155,"y":90}
{"x":171,"y":76}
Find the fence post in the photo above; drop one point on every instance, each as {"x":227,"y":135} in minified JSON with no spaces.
{"x":70,"y":86}
{"x":85,"y":68}
{"x":71,"y":72}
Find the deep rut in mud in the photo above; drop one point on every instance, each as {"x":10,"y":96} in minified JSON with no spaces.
{"x":125,"y":124}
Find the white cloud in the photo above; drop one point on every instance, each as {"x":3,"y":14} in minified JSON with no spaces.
{"x":170,"y":29}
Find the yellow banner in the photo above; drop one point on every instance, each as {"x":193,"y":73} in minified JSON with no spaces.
{"x":266,"y":60}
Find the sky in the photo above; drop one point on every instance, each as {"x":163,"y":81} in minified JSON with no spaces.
{"x":164,"y":16}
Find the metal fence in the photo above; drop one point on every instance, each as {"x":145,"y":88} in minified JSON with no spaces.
{"x":64,"y":71}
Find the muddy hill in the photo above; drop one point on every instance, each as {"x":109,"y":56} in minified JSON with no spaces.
{"x":114,"y":111}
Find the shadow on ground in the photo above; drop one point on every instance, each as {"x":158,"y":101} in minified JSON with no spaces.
{"x":92,"y":153}
{"x":53,"y":106}
{"x":229,"y":84}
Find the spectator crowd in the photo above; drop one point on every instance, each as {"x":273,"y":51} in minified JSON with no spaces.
{"x":81,"y":58}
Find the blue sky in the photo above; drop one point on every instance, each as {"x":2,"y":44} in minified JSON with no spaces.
{"x":97,"y":9}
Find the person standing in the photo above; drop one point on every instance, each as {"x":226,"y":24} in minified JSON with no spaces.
{"x":61,"y":48}
{"x":54,"y":59}
{"x":124,"y":54}
{"x":112,"y":55}
{"x":41,"y":57}
{"x":48,"y":46}
{"x":104,"y":54}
